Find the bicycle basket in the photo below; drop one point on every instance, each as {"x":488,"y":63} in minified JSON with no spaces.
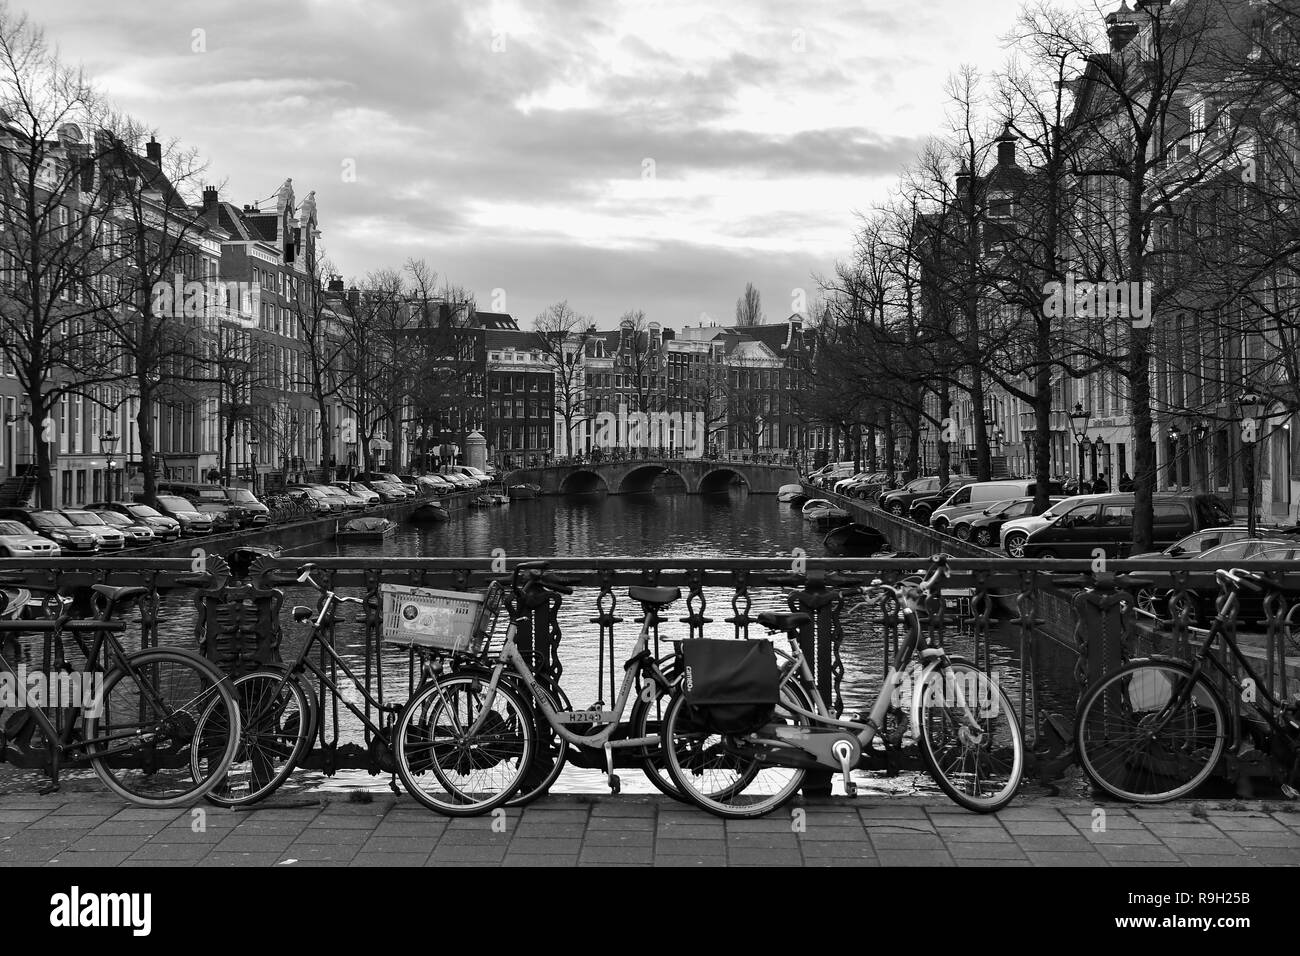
{"x":731,"y":686}
{"x":457,"y":621}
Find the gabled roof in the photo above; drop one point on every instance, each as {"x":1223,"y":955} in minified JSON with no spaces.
{"x":495,"y":321}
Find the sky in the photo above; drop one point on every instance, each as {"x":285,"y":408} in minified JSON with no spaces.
{"x":618,"y":155}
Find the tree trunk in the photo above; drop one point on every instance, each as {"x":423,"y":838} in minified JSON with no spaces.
{"x":44,"y":475}
{"x":1043,"y":419}
{"x":1144,"y":451}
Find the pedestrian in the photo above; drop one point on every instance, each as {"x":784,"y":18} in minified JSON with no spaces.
{"x":1100,"y":485}
{"x":1125,"y":481}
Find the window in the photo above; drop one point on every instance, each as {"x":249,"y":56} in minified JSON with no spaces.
{"x":1116,"y":515}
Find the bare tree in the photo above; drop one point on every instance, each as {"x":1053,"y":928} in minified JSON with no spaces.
{"x":562,"y":337}
{"x":749,"y":307}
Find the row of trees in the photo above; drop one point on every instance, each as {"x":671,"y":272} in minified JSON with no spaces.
{"x":1154,"y":152}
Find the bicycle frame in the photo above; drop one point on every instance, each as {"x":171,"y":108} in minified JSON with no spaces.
{"x":509,"y":656}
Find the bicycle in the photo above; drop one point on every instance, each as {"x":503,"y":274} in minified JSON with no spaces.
{"x":159,"y":731}
{"x":1155,"y":729}
{"x":435,"y":736}
{"x":969,"y":737}
{"x":280,"y":715}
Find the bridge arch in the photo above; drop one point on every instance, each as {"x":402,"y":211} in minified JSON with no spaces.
{"x":719,"y":479}
{"x":584,"y":481}
{"x":642,"y":478}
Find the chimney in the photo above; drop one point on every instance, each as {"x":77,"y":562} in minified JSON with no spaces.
{"x":153,"y":151}
{"x":1121,"y":26}
{"x":1007,"y":147}
{"x":335,"y":284}
{"x":656,"y":336}
{"x":963,"y":180}
{"x":209,"y":197}
{"x":354,"y":297}
{"x":793,"y":333}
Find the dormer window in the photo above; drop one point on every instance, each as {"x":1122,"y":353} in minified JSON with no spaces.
{"x":1001,"y":209}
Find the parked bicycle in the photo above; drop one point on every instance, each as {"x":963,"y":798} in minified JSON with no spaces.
{"x":163,"y":729}
{"x":966,"y":727}
{"x":460,"y":743}
{"x":1156,"y":728}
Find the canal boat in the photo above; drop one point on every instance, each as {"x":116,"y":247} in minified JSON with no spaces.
{"x":792,"y":495}
{"x":365,"y":529}
{"x":525,"y":490}
{"x":823,"y":514}
{"x":489,"y":501}
{"x":855,"y":540}
{"x":429,"y":511}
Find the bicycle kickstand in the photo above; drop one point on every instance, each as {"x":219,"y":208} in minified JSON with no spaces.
{"x":615,"y":785}
{"x":844,"y":753}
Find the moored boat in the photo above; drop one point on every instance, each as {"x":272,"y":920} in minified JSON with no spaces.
{"x":855,"y":540}
{"x":430,"y":511}
{"x":525,"y":490}
{"x":793,"y":495}
{"x":372,"y":528}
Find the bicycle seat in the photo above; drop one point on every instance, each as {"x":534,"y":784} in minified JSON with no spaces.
{"x":654,"y":595}
{"x":783,"y":620}
{"x":117,"y":594}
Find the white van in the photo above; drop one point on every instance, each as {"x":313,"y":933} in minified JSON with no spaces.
{"x":981,"y":494}
{"x":827,"y":475}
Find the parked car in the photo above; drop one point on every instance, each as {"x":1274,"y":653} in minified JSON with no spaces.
{"x":350,"y":501}
{"x":55,"y":527}
{"x":317,"y":500}
{"x":369,"y":496}
{"x":212,"y":501}
{"x":469,"y":471}
{"x":388,"y":491}
{"x":1250,"y":608}
{"x":1016,"y":531}
{"x":110,"y":539}
{"x":1106,"y":523}
{"x":164,"y":528}
{"x":193,"y":522}
{"x":865,"y":484}
{"x":923,"y":506}
{"x":255,"y":514}
{"x":439,"y":484}
{"x":832,"y":472}
{"x":984,"y":527}
{"x":1194,"y":544}
{"x":137,"y":532}
{"x":975,"y":497}
{"x":17,"y":540}
{"x":897,"y":501}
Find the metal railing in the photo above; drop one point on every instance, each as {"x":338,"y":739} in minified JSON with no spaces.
{"x":998,"y":609}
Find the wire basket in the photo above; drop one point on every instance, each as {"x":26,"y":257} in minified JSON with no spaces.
{"x":455,"y":621}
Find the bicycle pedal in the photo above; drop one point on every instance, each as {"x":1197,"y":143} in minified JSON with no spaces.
{"x":1290,"y":792}
{"x":47,"y":788}
{"x":850,"y":788}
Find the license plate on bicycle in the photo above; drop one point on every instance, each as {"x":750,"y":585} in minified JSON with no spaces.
{"x":586,"y":716}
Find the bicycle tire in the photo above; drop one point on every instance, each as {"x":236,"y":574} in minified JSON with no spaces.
{"x":1105,"y":724}
{"x":957,"y":760}
{"x":209,"y":697}
{"x":653,"y":764}
{"x":541,"y":774}
{"x":730,"y":794}
{"x":418,"y":759}
{"x":268,"y":752}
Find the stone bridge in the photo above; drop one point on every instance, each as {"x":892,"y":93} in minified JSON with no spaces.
{"x":700,"y":476}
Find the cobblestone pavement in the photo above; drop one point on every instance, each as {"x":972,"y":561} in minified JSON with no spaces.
{"x":95,"y":829}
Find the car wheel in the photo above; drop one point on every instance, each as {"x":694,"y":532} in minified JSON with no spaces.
{"x":1015,"y":544}
{"x":983,"y":537}
{"x":963,"y":532}
{"x":941,"y":525}
{"x":1047,"y":554}
{"x":895,"y":508}
{"x":921,"y":517}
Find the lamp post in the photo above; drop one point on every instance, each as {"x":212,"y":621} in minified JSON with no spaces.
{"x":1175,"y":434}
{"x":1078,"y":417}
{"x":252,"y":461}
{"x":1200,"y":432}
{"x":107,"y":443}
{"x":1251,"y":407}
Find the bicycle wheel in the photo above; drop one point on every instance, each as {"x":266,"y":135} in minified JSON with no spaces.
{"x":970,"y":739}
{"x":149,"y":747}
{"x":276,"y":724}
{"x":451,"y":771}
{"x":726,"y":775}
{"x":644,"y":712}
{"x":550,"y":756}
{"x":1145,"y":733}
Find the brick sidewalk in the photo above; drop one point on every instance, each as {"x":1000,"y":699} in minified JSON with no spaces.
{"x":94,"y":829}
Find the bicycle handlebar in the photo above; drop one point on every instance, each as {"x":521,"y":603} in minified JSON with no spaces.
{"x":1236,"y":577}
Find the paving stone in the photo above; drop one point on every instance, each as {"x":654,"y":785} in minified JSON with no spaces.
{"x":526,"y":859}
{"x":1254,"y":838}
{"x":389,"y":859}
{"x":1115,"y":852}
{"x":915,"y":858}
{"x":986,"y":851}
{"x":171,"y":851}
{"x":616,"y":854}
{"x":1057,"y":858}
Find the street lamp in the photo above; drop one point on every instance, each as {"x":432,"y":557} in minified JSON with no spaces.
{"x":1200,"y":432}
{"x":108,"y":442}
{"x":252,"y":461}
{"x":1078,"y":418}
{"x":1251,"y":407}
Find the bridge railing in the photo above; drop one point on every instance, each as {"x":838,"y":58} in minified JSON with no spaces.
{"x":996,"y":611}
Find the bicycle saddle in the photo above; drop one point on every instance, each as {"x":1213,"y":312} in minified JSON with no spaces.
{"x":116,"y":594}
{"x":783,"y":620}
{"x":647,"y":595}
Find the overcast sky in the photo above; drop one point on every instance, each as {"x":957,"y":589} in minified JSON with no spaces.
{"x":646,"y":155}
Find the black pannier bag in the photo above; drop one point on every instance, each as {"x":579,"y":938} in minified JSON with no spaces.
{"x":731,"y":686}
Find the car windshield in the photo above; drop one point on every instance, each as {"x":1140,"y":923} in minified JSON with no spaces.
{"x":112,"y":517}
{"x":174,"y":503}
{"x":48,"y":519}
{"x":144,"y":511}
{"x":13,"y":527}
{"x":241,"y":495}
{"x":82,"y":517}
{"x":999,"y":506}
